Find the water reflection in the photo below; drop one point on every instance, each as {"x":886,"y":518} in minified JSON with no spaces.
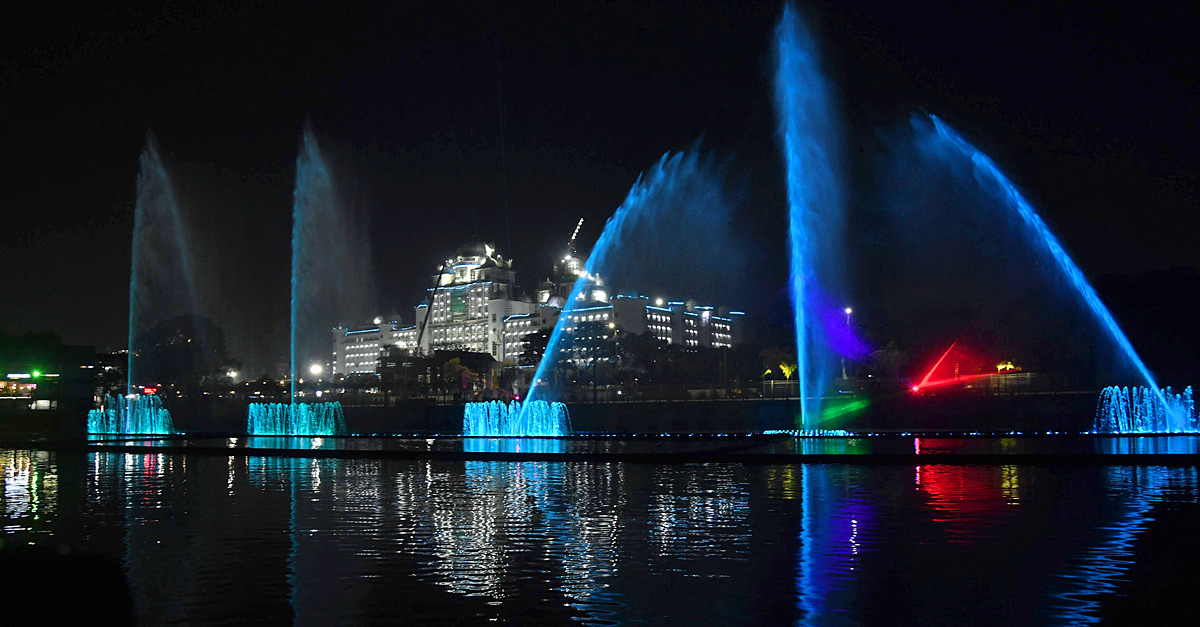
{"x":1159,"y":445}
{"x":338,"y":541}
{"x":970,"y":500}
{"x":30,"y":495}
{"x":1099,"y":569}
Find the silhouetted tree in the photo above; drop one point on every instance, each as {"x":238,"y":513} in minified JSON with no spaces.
{"x":535,"y":348}
{"x":887,"y":362}
{"x":777,"y":362}
{"x":188,"y":351}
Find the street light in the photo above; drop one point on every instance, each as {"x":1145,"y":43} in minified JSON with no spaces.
{"x":848,"y":312}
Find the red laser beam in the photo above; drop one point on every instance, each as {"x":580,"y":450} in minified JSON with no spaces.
{"x":920,"y":385}
{"x":970,"y":377}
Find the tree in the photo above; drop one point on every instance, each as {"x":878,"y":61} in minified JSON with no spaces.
{"x":535,"y":348}
{"x":508,"y":376}
{"x":887,"y":361}
{"x":185,"y":350}
{"x":639,"y":355}
{"x":775,"y":360}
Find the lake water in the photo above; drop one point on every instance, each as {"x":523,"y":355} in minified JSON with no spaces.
{"x":206,"y":538}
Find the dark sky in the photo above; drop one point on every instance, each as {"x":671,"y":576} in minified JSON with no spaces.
{"x":1090,"y":106}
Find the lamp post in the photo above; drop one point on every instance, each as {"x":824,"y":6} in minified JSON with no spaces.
{"x":848,"y":312}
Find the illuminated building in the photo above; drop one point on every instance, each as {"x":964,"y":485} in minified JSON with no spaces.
{"x":472,"y":307}
{"x":40,"y":374}
{"x":465,"y":310}
{"x":599,"y":320}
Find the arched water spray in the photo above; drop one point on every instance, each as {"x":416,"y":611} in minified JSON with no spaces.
{"x":684,"y":186}
{"x":988,"y":174}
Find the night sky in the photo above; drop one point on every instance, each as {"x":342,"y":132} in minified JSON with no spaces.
{"x":1090,"y":106}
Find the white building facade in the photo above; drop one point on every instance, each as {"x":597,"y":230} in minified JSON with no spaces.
{"x":472,"y":307}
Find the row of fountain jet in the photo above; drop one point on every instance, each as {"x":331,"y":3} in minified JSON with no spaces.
{"x":812,"y":147}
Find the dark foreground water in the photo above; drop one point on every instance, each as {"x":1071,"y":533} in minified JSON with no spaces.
{"x":211,"y":539}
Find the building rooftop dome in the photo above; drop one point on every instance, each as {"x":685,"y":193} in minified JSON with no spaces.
{"x":475,"y":249}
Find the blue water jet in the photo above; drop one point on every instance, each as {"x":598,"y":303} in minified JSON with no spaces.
{"x":514,"y":419}
{"x":314,"y":191}
{"x":160,"y":286}
{"x":295,"y":419}
{"x":331,"y":271}
{"x":132,"y":414}
{"x":160,"y":278}
{"x":1141,"y":410}
{"x":682,"y":184}
{"x":812,"y":148}
{"x":988,"y":174}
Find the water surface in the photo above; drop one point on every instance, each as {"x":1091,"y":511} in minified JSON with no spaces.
{"x":214,"y":539}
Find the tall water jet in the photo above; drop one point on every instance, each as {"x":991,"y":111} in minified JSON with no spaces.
{"x":331,"y":275}
{"x":160,"y":278}
{"x":948,"y":144}
{"x":160,"y":286}
{"x":331,"y":270}
{"x":683,"y":193}
{"x":313,"y":199}
{"x":810,"y":137}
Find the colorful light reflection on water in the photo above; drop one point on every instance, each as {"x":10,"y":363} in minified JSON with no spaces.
{"x":357,"y":540}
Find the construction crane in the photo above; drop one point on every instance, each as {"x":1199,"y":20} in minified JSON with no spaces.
{"x":571,"y":242}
